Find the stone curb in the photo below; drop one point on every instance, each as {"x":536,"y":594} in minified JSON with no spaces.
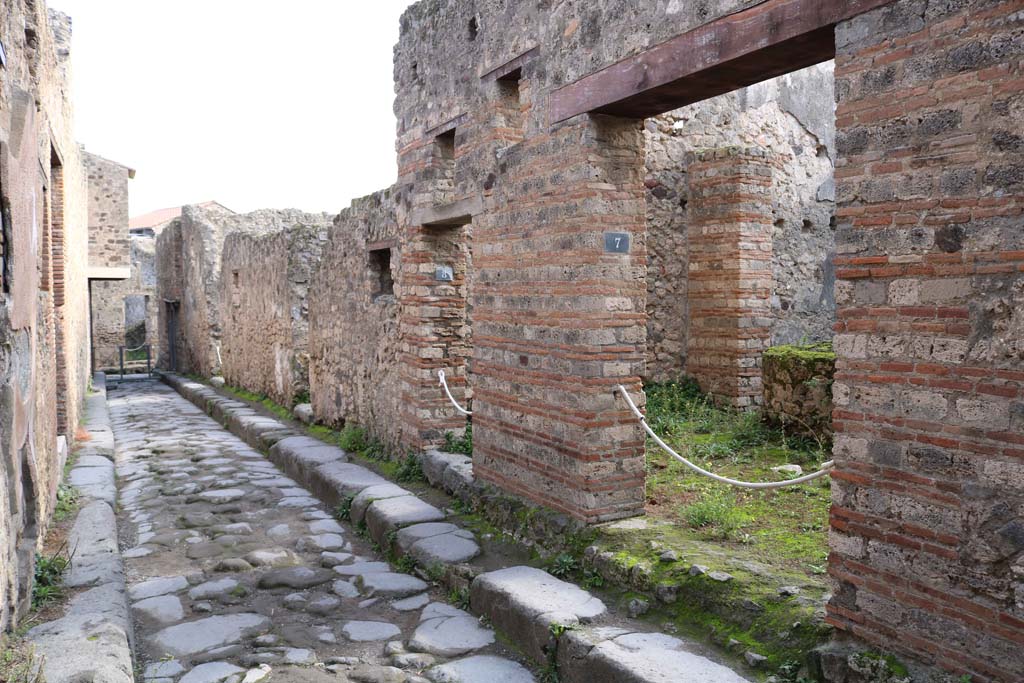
{"x":383,"y":507}
{"x":550,"y":620}
{"x":92,"y":641}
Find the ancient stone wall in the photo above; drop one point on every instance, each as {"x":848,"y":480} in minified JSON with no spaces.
{"x":189,"y":272}
{"x":792,"y":117}
{"x":553,"y":312}
{"x":928,"y":495}
{"x":169,"y":288}
{"x":354,"y":345}
{"x":108,"y":212}
{"x":264,"y":309}
{"x":798,"y":388}
{"x":121,"y":306}
{"x":43,"y":305}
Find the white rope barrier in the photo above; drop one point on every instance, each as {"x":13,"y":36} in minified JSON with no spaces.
{"x":444,"y":383}
{"x":825,"y":467}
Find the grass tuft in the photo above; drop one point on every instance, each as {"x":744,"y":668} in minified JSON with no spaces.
{"x":48,"y":584}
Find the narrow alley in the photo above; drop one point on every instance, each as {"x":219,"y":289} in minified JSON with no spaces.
{"x":233,"y":565}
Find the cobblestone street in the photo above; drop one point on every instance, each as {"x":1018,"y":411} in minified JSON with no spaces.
{"x":232,"y":565}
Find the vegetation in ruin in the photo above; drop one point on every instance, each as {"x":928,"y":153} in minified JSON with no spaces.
{"x":454,"y":443}
{"x":782,"y":527}
{"x":18,"y":661}
{"x":48,"y":584}
{"x":803,"y":353}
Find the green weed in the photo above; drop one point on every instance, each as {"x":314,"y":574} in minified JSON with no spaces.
{"x":460,"y":444}
{"x":18,"y":661}
{"x":344,"y":509}
{"x":49,"y":577}
{"x":67,"y":502}
{"x":562,"y":565}
{"x":459,"y":597}
{"x":410,"y":469}
{"x":716,"y":514}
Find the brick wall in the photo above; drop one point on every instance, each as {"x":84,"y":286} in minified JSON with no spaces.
{"x":264,"y":308}
{"x":793,"y":117}
{"x":730,"y":271}
{"x":928,"y":515}
{"x":108,"y":212}
{"x":353,"y":341}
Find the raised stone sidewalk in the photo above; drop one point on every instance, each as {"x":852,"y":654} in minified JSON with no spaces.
{"x":551,"y":621}
{"x":92,"y":641}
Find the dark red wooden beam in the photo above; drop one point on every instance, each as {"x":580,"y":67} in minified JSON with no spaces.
{"x":767,"y":40}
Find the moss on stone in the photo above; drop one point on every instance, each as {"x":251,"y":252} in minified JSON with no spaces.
{"x":820,"y":352}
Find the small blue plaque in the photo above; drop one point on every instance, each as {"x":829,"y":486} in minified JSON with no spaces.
{"x":616,"y":242}
{"x":444,"y":274}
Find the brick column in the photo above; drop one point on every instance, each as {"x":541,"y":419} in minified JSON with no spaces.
{"x":559,"y":321}
{"x":730,"y":271}
{"x":927,"y":539}
{"x":434,"y":331}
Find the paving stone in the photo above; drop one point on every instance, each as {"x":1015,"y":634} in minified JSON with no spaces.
{"x":193,"y":637}
{"x":300,"y":656}
{"x":523,"y":602}
{"x":213,"y":589}
{"x":323,"y":605}
{"x":298,"y":502}
{"x":295,"y":577}
{"x":233,"y":564}
{"x":362,"y":631}
{"x":332,"y":559}
{"x":320,"y":542}
{"x":212,"y":672}
{"x":157,"y":586}
{"x":165,"y":609}
{"x":325,"y":526}
{"x":271,"y":557}
{"x":347,"y":479}
{"x":411,"y":534}
{"x":445,"y":549}
{"x":345,"y":589}
{"x":390,"y":584}
{"x":222,"y":495}
{"x":412,"y":660}
{"x":201,"y":551}
{"x":483,"y":668}
{"x":413,"y":603}
{"x":391,"y":514}
{"x":637,"y":658}
{"x":163,"y":669}
{"x":377,"y":674}
{"x":371,"y":493}
{"x":450,"y":635}
{"x":361,"y":568}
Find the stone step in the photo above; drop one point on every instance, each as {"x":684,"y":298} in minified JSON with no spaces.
{"x":550,"y":618}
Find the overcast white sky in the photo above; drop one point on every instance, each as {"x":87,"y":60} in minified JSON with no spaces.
{"x":251,"y":103}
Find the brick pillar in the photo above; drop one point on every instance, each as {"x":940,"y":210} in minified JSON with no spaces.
{"x":434,"y":330}
{"x":730,"y":271}
{"x":57,"y":264}
{"x":559,"y":321}
{"x":927,"y":538}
